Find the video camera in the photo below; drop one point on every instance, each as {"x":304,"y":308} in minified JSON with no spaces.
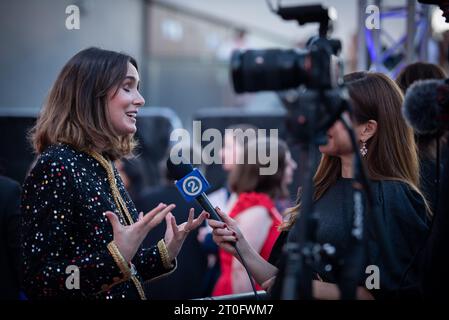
{"x":317,"y":67}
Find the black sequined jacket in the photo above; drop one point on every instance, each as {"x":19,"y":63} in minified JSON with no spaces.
{"x":65,"y":234}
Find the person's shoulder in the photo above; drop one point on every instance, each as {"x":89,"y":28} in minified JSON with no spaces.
{"x":8,"y":184}
{"x":402,"y":198}
{"x":256,"y":217}
{"x":10,"y":190}
{"x":399,"y":188}
{"x":59,"y":152}
{"x":255,"y":198}
{"x":57,"y":159}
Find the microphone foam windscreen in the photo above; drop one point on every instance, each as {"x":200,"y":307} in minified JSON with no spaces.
{"x":421,"y":106}
{"x":178,"y":171}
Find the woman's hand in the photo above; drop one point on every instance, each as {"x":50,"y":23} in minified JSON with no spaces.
{"x":128,"y":238}
{"x":267,"y":285}
{"x":175,"y":235}
{"x":226,"y":232}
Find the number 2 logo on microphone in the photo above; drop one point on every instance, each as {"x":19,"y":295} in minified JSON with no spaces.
{"x":192,"y":186}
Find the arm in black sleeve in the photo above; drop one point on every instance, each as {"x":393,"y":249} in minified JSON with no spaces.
{"x":154,"y":262}
{"x":404,"y":217}
{"x":435,"y":256}
{"x":50,"y":240}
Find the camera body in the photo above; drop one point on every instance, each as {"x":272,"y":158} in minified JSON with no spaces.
{"x":317,"y":67}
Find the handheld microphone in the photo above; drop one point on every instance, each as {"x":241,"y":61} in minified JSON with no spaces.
{"x":192,"y":185}
{"x":426,"y":106}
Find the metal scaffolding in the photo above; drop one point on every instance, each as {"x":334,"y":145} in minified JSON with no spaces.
{"x":379,"y":51}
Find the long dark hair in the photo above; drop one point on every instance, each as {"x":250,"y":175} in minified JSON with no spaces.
{"x":392,"y":150}
{"x":418,"y":71}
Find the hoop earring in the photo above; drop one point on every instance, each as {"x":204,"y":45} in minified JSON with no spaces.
{"x":364,"y":149}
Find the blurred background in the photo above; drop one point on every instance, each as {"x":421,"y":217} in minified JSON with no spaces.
{"x":183,"y":48}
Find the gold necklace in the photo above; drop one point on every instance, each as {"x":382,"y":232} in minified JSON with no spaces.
{"x":121,"y":206}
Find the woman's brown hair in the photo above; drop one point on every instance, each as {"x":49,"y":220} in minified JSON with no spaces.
{"x":391,"y":151}
{"x":418,"y":71}
{"x":76,"y":112}
{"x":246,"y":176}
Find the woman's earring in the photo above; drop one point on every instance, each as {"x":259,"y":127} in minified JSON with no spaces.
{"x":364,"y":149}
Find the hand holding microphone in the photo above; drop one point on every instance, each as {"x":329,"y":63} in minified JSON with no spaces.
{"x":192,"y":185}
{"x":226,"y":233}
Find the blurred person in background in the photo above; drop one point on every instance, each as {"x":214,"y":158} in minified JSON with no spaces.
{"x":9,"y":239}
{"x":222,"y":197}
{"x":133,"y":176}
{"x":254,"y":210}
{"x":428,"y":145}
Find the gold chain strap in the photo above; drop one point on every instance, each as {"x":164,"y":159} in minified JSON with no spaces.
{"x":122,"y":208}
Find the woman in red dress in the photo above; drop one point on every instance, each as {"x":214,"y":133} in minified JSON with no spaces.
{"x":254,"y":210}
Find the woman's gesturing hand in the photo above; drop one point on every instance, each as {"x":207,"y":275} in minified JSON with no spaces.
{"x":175,"y":235}
{"x":128,"y":238}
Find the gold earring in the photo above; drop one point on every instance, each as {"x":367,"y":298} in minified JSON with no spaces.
{"x":364,"y":149}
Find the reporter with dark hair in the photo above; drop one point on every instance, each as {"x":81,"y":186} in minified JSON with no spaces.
{"x":87,"y":122}
{"x":389,"y":154}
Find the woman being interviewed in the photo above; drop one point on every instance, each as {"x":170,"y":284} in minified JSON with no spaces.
{"x":70,"y":250}
{"x":389,"y":155}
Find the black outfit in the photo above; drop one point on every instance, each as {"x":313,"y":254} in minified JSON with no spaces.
{"x":434,"y":258}
{"x":403,"y":214}
{"x":63,"y":201}
{"x":185,"y":281}
{"x":9,"y":238}
{"x":428,"y":180}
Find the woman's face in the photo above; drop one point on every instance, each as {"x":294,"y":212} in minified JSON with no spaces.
{"x":123,"y":106}
{"x":290,"y":167}
{"x":230,"y":152}
{"x":338,"y":140}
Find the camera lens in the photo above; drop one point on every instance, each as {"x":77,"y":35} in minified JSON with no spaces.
{"x":267,"y":70}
